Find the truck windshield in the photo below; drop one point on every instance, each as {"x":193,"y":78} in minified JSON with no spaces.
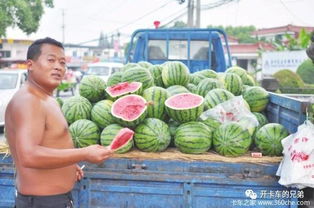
{"x":8,"y":81}
{"x":98,"y":70}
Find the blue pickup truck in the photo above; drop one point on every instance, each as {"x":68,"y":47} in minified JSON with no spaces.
{"x":172,"y":179}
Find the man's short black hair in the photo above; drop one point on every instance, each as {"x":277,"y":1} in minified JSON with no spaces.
{"x":34,"y":51}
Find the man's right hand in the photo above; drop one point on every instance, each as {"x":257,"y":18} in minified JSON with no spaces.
{"x":97,"y":153}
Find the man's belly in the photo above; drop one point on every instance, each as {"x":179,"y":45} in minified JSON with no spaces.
{"x":46,"y":181}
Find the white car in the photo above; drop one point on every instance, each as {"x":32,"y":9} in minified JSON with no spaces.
{"x":10,"y":82}
{"x":104,"y":69}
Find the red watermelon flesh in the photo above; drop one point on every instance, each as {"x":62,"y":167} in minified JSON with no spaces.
{"x":121,"y":139}
{"x":123,"y":88}
{"x":184,"y":101}
{"x":129,"y":107}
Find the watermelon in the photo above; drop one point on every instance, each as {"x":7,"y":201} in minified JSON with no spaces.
{"x":206,"y":85}
{"x":92,"y":87}
{"x":231,"y":139}
{"x":262,"y":120}
{"x":84,"y":133}
{"x":209,"y":73}
{"x":193,"y":138}
{"x":175,"y":73}
{"x":138,"y":74}
{"x":129,"y":66}
{"x":192,"y":88}
{"x":196,"y":78}
{"x":129,"y":110}
{"x":75,"y":108}
{"x":268,"y":139}
{"x":101,"y":113}
{"x":176,"y":89}
{"x":173,"y":125}
{"x":233,"y":83}
{"x":144,"y":64}
{"x":239,"y":71}
{"x":59,"y":101}
{"x":212,"y":123}
{"x":114,"y":133}
{"x":184,"y":107}
{"x":257,"y":98}
{"x":114,"y":79}
{"x":152,"y":135}
{"x":156,"y":71}
{"x":156,"y":96}
{"x":217,"y":96}
{"x":124,"y":88}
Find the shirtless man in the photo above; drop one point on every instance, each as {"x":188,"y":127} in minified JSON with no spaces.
{"x":38,"y":134}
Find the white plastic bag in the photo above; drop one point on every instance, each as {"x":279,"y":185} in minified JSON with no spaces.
{"x":297,"y":167}
{"x":233,"y":110}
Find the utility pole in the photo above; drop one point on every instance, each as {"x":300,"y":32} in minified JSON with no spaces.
{"x":63,"y":27}
{"x":190,"y":21}
{"x":198,"y":14}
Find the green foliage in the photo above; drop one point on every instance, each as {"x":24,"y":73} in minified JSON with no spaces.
{"x":301,"y":42}
{"x":243,"y":33}
{"x":288,"y":79}
{"x":25,"y":14}
{"x":306,"y":71}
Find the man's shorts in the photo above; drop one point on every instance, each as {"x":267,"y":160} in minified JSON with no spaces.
{"x":51,"y":201}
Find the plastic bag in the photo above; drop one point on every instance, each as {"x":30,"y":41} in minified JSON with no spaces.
{"x":234,"y":110}
{"x":297,"y":167}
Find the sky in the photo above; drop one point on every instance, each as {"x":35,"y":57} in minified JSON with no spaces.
{"x":84,"y":20}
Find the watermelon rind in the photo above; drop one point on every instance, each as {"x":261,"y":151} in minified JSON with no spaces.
{"x":152,"y":135}
{"x":109,"y":133}
{"x":193,"y":138}
{"x":92,"y":87}
{"x":75,"y":108}
{"x":84,"y":133}
{"x":101,"y":113}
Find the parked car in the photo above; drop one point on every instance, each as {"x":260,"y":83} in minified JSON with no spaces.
{"x":103,"y":69}
{"x":10,"y":82}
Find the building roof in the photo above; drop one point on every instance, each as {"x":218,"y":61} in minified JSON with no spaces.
{"x":282,"y":29}
{"x":251,"y":47}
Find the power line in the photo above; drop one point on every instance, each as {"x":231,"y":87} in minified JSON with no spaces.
{"x":291,"y":13}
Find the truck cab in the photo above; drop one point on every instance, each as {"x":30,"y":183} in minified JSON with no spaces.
{"x":197,"y":48}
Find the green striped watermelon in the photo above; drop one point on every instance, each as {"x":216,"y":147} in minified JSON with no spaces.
{"x":101,"y":113}
{"x":233,"y":83}
{"x":129,"y":66}
{"x":176,"y":89}
{"x":84,"y":133}
{"x":209,"y":73}
{"x":173,"y":125}
{"x":196,"y":78}
{"x":144,"y":64}
{"x":138,"y":74}
{"x":268,"y":139}
{"x":192,"y":88}
{"x":231,"y":139}
{"x":262,"y":120}
{"x":175,"y":73}
{"x":152,"y":135}
{"x":184,"y":107}
{"x":208,"y":84}
{"x":114,"y":79}
{"x":156,"y":96}
{"x":217,"y":96}
{"x":212,"y":123}
{"x":109,"y":133}
{"x":93,"y":88}
{"x":193,"y":138}
{"x":156,"y":71}
{"x":257,"y":98}
{"x":239,"y":71}
{"x":129,"y":110}
{"x":75,"y":108}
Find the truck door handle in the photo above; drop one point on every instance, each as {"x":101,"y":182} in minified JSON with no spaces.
{"x":137,"y":166}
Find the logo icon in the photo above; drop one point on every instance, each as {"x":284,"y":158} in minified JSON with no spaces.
{"x":250,"y":193}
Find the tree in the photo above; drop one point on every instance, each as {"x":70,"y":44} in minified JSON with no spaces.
{"x":243,"y":33}
{"x":25,"y":14}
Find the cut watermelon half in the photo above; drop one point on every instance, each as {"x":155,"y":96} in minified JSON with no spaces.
{"x":123,"y":88}
{"x":121,"y":139}
{"x":184,"y":101}
{"x":129,"y":107}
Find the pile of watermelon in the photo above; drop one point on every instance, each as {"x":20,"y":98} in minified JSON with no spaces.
{"x":162,"y":105}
